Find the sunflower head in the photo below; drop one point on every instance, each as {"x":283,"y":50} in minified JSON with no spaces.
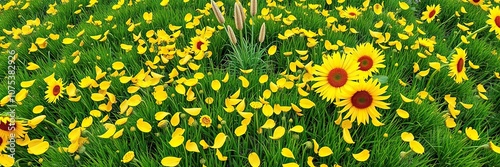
{"x":361,"y":101}
{"x":205,"y":121}
{"x":430,"y":13}
{"x":199,"y":44}
{"x":8,"y":126}
{"x":335,"y":74}
{"x":54,"y":89}
{"x":369,"y":58}
{"x":494,"y":20}
{"x":350,"y":13}
{"x":457,"y":66}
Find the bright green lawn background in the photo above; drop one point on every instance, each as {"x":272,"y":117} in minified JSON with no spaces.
{"x":443,"y":146}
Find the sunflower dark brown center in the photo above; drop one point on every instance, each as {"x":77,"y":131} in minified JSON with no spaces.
{"x":365,"y":63}
{"x":205,"y":120}
{"x":362,"y":99}
{"x":476,"y":1}
{"x":198,"y":45}
{"x":352,"y":13}
{"x":460,"y":65}
{"x":497,"y":21}
{"x":4,"y":126}
{"x":56,"y":90}
{"x":337,"y":77}
{"x":432,"y":13}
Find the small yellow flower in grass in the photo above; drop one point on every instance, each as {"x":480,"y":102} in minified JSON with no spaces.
{"x":129,"y":156}
{"x":430,"y":13}
{"x":472,"y":134}
{"x":350,"y":13}
{"x":362,"y":156}
{"x":407,"y":137}
{"x":494,"y":20}
{"x":170,"y":161}
{"x":457,"y":66}
{"x":254,"y":159}
{"x":205,"y":121}
{"x":377,"y":8}
{"x":369,"y":58}
{"x":143,"y":126}
{"x":54,"y":88}
{"x":148,"y":17}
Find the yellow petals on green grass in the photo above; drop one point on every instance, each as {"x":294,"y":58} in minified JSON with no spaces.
{"x":362,"y":156}
{"x":143,"y":126}
{"x":254,"y":159}
{"x":170,"y":161}
{"x":472,"y":134}
{"x":286,"y":152}
{"x":129,"y":156}
{"x":278,"y":133}
{"x":219,"y":141}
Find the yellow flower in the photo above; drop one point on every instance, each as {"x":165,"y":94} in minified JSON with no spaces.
{"x":54,"y":89}
{"x":205,"y":121}
{"x":494,"y":20}
{"x":361,"y":102}
{"x":457,"y":66}
{"x":3,"y":143}
{"x":336,"y":74}
{"x":129,"y":156}
{"x":199,"y":44}
{"x":350,"y":13}
{"x":148,"y":17}
{"x":8,"y":127}
{"x":431,"y":13}
{"x":369,"y":58}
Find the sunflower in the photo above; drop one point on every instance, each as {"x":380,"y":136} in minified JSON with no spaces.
{"x":18,"y":128}
{"x":431,"y":13}
{"x":457,"y":66}
{"x":370,"y":59}
{"x":334,"y":75}
{"x":361,"y":101}
{"x":350,"y":13}
{"x":494,"y":20}
{"x":476,"y":2}
{"x":199,"y":44}
{"x":205,"y":121}
{"x":54,"y":89}
{"x":3,"y":143}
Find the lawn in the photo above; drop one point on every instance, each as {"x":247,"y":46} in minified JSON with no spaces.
{"x":250,"y":83}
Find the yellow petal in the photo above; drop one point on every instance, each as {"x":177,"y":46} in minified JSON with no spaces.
{"x":278,"y":133}
{"x":473,"y":66}
{"x":192,"y":111}
{"x":263,"y":78}
{"x":176,"y":141}
{"x":272,"y":50}
{"x":68,"y":41}
{"x":220,"y":156}
{"x":254,"y":159}
{"x":87,"y":122}
{"x":291,"y":164}
{"x":346,"y":135}
{"x":219,"y":140}
{"x":38,"y":147}
{"x":407,"y":137}
{"x":269,"y":124}
{"x":6,"y":160}
{"x":38,"y":109}
{"x":306,"y":103}
{"x":97,"y":97}
{"x":325,"y":151}
{"x":170,"y":161}
{"x":27,"y":84}
{"x":362,"y":156}
{"x":143,"y":126}
{"x":297,"y":129}
{"x":472,"y":134}
{"x":402,"y":113}
{"x":204,"y":144}
{"x":192,"y":146}
{"x":404,"y":5}
{"x":244,"y":81}
{"x":160,"y":115}
{"x":405,"y":99}
{"x":216,"y":85}
{"x":450,"y":122}
{"x":417,"y":147}
{"x":466,"y":106}
{"x":32,"y":66}
{"x":267,"y":110}
{"x":134,"y":100}
{"x":287,"y":153}
{"x":111,"y":129}
{"x":226,"y":78}
{"x":494,"y":147}
{"x":240,"y":130}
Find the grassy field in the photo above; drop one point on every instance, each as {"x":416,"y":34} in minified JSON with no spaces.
{"x":272,"y":83}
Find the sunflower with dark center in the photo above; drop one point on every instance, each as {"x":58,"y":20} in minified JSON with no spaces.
{"x":361,"y":102}
{"x":334,"y":75}
{"x":494,"y":20}
{"x":18,"y":128}
{"x":3,"y":143}
{"x":369,"y":58}
{"x":54,"y":89}
{"x":457,"y":66}
{"x":199,"y":44}
{"x":430,"y":13}
{"x":205,"y":121}
{"x":350,"y":13}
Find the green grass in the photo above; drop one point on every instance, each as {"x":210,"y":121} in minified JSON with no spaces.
{"x":443,"y":146}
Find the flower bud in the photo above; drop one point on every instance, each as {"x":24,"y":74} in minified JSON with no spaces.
{"x":262,"y":33}
{"x":217,"y":12}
